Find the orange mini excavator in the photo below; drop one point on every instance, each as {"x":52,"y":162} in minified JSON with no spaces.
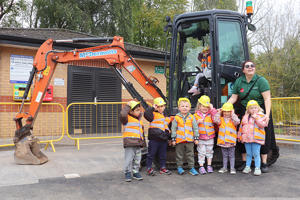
{"x":45,"y":62}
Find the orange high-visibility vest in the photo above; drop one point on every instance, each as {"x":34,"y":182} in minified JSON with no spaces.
{"x":208,"y":59}
{"x":203,"y":65}
{"x":227,"y":132}
{"x":184,"y":131}
{"x":205,"y":61}
{"x":206,"y":128}
{"x":160,"y":121}
{"x":259,"y":133}
{"x":133,"y":128}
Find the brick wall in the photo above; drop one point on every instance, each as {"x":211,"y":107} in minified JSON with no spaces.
{"x":60,"y":92}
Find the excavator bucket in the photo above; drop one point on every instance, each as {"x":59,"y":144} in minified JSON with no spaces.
{"x":35,"y":148}
{"x":28,"y":152}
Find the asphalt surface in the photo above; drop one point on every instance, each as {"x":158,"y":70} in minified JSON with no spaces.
{"x":102,"y":178}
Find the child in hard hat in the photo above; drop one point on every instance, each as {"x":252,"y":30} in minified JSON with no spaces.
{"x":252,"y":133}
{"x":204,"y":117}
{"x":184,"y":135}
{"x":158,"y":135}
{"x":133,"y":139}
{"x":204,"y":76}
{"x":227,"y":121}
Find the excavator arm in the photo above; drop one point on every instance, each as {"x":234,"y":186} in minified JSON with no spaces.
{"x":113,"y":54}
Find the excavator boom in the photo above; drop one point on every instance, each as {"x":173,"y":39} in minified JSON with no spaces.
{"x":113,"y":54}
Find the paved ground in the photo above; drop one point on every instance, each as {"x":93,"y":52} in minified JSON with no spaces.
{"x":99,"y":166}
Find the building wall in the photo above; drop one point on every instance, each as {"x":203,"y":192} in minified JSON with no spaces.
{"x":60,"y":92}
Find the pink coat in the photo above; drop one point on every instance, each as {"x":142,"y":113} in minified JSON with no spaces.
{"x":246,"y":131}
{"x":211,"y":113}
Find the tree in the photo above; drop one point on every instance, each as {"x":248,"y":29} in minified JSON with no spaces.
{"x":276,"y":43}
{"x":149,"y":20}
{"x":63,"y":14}
{"x":283,"y":70}
{"x":5,"y":7}
{"x":198,"y":5}
{"x":10,"y":12}
{"x":99,"y":17}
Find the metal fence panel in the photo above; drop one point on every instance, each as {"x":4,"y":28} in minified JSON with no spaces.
{"x":286,"y":116}
{"x":94,"y":121}
{"x":48,"y":126}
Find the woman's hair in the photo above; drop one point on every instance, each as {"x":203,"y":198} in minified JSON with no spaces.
{"x":244,"y":63}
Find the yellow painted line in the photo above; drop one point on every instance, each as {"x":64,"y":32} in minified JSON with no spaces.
{"x":285,"y":98}
{"x":291,"y":140}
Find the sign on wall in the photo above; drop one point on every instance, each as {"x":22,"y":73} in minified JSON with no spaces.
{"x":159,"y":69}
{"x":20,"y":68}
{"x":59,"y":81}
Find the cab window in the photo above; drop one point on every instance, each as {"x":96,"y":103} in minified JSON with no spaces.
{"x":231,"y":49}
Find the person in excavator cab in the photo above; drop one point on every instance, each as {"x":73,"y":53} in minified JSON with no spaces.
{"x":204,"y":76}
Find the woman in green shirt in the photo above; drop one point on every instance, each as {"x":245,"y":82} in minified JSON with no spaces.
{"x":259,"y":91}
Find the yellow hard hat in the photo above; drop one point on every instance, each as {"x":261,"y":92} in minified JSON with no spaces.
{"x":204,"y":100}
{"x":227,"y":107}
{"x":252,"y":103}
{"x":159,"y":101}
{"x":206,"y":49}
{"x":183,"y":99}
{"x":132,"y":104}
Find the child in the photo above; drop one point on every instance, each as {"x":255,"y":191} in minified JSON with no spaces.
{"x":203,"y":115}
{"x":184,"y":135}
{"x":133,"y":139}
{"x":227,"y":122}
{"x":252,"y":133}
{"x":158,"y":135}
{"x":204,"y":76}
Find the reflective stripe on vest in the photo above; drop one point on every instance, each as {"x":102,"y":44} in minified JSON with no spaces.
{"x":160,"y":121}
{"x":206,"y":128}
{"x":133,"y":129}
{"x":259,"y":133}
{"x":227,"y":132}
{"x":184,"y":131}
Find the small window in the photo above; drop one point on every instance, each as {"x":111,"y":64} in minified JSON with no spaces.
{"x":231,"y":49}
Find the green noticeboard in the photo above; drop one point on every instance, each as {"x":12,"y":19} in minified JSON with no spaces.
{"x":159,"y":69}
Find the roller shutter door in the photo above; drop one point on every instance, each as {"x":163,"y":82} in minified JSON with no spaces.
{"x":87,"y":84}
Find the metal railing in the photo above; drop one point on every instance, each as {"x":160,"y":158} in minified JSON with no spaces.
{"x":49,"y":125}
{"x":93,"y":121}
{"x":286,"y":117}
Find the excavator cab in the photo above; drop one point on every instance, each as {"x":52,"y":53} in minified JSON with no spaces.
{"x":217,"y":35}
{"x":211,"y":45}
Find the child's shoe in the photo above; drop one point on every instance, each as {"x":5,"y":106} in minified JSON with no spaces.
{"x":128,"y":177}
{"x":165,"y":171}
{"x":257,"y":171}
{"x":180,"y":170}
{"x":232,"y":171}
{"x":210,"y":169}
{"x":151,"y":172}
{"x":223,"y":170}
{"x":193,"y":89}
{"x":202,"y":170}
{"x":193,"y":172}
{"x":247,"y":170}
{"x":137,"y":176}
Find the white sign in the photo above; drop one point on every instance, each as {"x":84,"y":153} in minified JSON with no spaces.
{"x":20,"y":68}
{"x":59,"y":81}
{"x":38,"y":97}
